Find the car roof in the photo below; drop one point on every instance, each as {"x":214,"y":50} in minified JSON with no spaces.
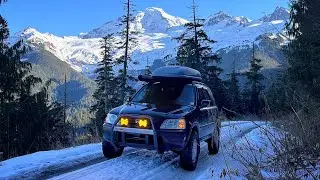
{"x":173,"y":73}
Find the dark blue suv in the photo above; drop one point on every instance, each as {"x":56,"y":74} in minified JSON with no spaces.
{"x":173,"y":111}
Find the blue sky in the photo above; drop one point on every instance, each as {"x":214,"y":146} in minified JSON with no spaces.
{"x":70,"y":17}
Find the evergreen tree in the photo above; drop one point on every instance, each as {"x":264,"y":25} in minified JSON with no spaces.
{"x":128,"y":36}
{"x":39,"y":124}
{"x":28,"y":121}
{"x":279,"y":100}
{"x":254,"y":77}
{"x":233,"y":93}
{"x":106,"y":95}
{"x":195,"y":51}
{"x":304,"y":49}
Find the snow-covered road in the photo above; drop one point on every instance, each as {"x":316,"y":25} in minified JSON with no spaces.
{"x":144,"y":164}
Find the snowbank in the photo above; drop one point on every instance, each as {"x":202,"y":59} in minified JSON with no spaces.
{"x":40,"y":163}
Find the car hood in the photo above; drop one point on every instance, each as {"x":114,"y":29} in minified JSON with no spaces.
{"x":155,"y":111}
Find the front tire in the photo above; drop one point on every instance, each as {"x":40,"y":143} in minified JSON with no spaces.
{"x":214,"y":142}
{"x":189,"y":156}
{"x":109,"y":151}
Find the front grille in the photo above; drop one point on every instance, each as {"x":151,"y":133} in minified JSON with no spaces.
{"x":139,"y":139}
{"x":135,"y":138}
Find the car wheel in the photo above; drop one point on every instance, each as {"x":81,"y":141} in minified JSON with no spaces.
{"x":189,"y":156}
{"x":214,"y":142}
{"x":109,"y":151}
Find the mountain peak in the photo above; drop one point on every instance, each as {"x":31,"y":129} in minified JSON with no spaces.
{"x":221,"y":13}
{"x":155,"y":9}
{"x":283,"y":9}
{"x":151,"y":20}
{"x":157,"y":20}
{"x":228,"y":20}
{"x":280,"y":13}
{"x":217,"y":17}
{"x":28,"y":32}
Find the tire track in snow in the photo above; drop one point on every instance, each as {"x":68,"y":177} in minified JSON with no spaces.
{"x":95,"y":167}
{"x":52,"y":172}
{"x":143,"y":164}
{"x":176,"y":172}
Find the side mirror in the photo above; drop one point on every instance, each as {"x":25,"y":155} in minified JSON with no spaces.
{"x":205,"y":103}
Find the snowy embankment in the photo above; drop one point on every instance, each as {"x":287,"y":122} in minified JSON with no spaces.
{"x":143,"y":164}
{"x":40,"y":163}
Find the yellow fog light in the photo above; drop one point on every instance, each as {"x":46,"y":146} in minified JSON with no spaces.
{"x":143,"y":123}
{"x":182,"y":124}
{"x":124,"y":122}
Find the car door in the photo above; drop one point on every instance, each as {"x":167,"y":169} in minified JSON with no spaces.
{"x":209,"y":121}
{"x":215,"y":110}
{"x":203,"y":113}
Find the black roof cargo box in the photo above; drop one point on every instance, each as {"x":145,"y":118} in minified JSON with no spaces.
{"x":172,"y":73}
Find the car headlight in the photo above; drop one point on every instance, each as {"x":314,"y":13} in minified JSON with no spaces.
{"x":174,"y":124}
{"x":111,"y":118}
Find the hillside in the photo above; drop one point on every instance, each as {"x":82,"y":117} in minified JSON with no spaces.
{"x":79,"y":87}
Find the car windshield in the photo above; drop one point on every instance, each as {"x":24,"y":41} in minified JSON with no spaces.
{"x":166,"y":94}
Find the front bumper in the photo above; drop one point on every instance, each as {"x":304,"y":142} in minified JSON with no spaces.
{"x":159,"y":140}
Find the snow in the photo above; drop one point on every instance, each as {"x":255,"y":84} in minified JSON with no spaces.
{"x":143,"y":164}
{"x":280,"y":13}
{"x":157,"y":30}
{"x":157,"y":20}
{"x":255,"y":25}
{"x":34,"y":164}
{"x":277,"y":22}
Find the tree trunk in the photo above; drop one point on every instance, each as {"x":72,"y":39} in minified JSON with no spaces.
{"x":105,"y":78}
{"x":196,"y":64}
{"x":125,"y":63}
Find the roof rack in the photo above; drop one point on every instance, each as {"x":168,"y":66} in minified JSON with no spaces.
{"x":168,"y":73}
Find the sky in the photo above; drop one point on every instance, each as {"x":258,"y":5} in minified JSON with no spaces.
{"x":71,"y":17}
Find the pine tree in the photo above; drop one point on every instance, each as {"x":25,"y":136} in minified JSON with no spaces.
{"x":233,"y":92}
{"x":106,"y":95}
{"x":128,"y":36}
{"x":278,"y":98}
{"x":195,"y":51}
{"x":304,"y":49}
{"x":11,"y":73}
{"x":39,"y":124}
{"x":28,"y":121}
{"x":254,"y":77}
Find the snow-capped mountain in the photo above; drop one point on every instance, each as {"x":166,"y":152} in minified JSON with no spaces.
{"x":156,"y":20}
{"x":152,"y":20}
{"x":279,"y":14}
{"x":157,"y":28}
{"x":228,"y":20}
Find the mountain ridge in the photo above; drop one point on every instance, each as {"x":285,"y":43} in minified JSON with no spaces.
{"x":157,"y":29}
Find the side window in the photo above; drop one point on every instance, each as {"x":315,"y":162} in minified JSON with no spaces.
{"x":187,"y":96}
{"x":206,"y":95}
{"x":203,"y":94}
{"x":211,"y":97}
